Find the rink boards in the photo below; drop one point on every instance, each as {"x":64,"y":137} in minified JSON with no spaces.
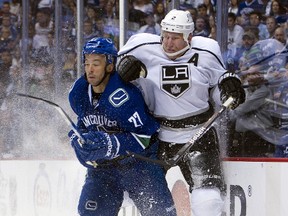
{"x":51,"y":188}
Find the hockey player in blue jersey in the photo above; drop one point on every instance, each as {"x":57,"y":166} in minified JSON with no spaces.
{"x":113,"y":119}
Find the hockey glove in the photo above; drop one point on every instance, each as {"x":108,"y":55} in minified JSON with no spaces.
{"x":130,"y":68}
{"x":96,"y":146}
{"x":230,"y":85}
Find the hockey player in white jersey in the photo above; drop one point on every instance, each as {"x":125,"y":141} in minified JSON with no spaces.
{"x":181,"y":74}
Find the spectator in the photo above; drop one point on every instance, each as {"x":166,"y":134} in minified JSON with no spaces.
{"x":69,"y":11}
{"x":6,"y":41}
{"x":235,"y":32}
{"x":41,"y":82}
{"x":200,"y":27}
{"x":210,"y":7}
{"x":88,"y":30}
{"x":202,"y":12}
{"x":249,"y":38}
{"x":250,"y":115}
{"x":267,"y":6}
{"x":109,"y":11}
{"x":253,"y":115}
{"x":100,"y":27}
{"x":143,"y":6}
{"x":151,"y":26}
{"x":280,"y":35}
{"x":194,"y":13}
{"x":5,"y":11}
{"x":260,"y":67}
{"x":262,"y":61}
{"x":135,"y":15}
{"x":255,"y":19}
{"x":159,"y":12}
{"x":111,"y":20}
{"x":6,"y":22}
{"x":279,"y":12}
{"x":271,"y":25}
{"x":233,"y":7}
{"x":43,"y":26}
{"x":245,"y":8}
{"x":91,"y":14}
{"x":15,"y":7}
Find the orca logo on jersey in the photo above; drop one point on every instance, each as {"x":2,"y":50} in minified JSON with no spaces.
{"x":118,"y":97}
{"x":175,"y":79}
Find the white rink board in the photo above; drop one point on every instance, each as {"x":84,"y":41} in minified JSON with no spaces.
{"x":52,"y":188}
{"x":263,"y":187}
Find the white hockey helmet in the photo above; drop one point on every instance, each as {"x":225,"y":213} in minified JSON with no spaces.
{"x":178,"y":21}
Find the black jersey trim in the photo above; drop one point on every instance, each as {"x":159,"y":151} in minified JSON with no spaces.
{"x":211,"y":54}
{"x":143,"y":44}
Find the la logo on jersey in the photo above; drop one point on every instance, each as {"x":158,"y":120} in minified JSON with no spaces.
{"x":175,"y":79}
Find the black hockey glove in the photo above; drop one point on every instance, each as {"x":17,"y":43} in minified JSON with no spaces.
{"x":131,"y":68}
{"x":230,"y":85}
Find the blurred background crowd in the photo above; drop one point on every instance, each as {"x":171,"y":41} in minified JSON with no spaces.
{"x":250,"y":22}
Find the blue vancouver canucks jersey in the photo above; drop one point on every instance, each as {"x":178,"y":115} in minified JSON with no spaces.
{"x":120,"y":111}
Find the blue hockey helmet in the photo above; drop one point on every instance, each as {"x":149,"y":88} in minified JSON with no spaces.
{"x":103,"y":46}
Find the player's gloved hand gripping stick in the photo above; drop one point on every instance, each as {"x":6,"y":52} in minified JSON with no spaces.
{"x":182,"y":153}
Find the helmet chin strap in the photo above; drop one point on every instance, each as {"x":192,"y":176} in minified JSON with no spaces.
{"x":171,"y":55}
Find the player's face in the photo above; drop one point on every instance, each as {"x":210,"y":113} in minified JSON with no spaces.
{"x":95,"y":66}
{"x":173,"y":42}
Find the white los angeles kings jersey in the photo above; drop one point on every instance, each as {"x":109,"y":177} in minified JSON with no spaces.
{"x":179,"y":89}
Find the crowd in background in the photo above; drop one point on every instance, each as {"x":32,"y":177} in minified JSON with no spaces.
{"x":249,"y":22}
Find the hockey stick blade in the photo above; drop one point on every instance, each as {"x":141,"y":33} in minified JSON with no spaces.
{"x":59,"y":109}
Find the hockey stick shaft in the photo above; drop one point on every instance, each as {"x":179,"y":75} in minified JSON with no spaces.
{"x":276,"y":103}
{"x":155,"y":161}
{"x":59,"y":109}
{"x":185,"y":149}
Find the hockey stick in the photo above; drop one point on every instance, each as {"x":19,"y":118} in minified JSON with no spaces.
{"x":59,"y":109}
{"x":185,"y":149}
{"x":276,"y":103}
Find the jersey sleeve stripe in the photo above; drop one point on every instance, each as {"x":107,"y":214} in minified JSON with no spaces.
{"x":143,"y":140}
